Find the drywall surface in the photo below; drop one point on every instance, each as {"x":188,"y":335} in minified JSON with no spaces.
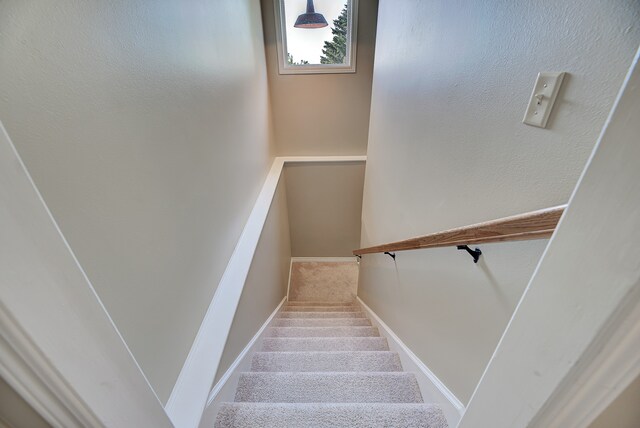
{"x":323,"y":281}
{"x":325,"y":207}
{"x":578,"y":318}
{"x":15,"y":412}
{"x":266,"y":283}
{"x":624,"y":412}
{"x":447,"y":148}
{"x":449,"y":311}
{"x":145,"y":125}
{"x":322,"y":114}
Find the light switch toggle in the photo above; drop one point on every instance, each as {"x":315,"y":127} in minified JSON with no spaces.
{"x":542,"y":99}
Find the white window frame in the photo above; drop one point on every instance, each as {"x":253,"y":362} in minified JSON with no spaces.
{"x":281,"y":41}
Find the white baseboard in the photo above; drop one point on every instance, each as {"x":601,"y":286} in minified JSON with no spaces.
{"x":225,"y":388}
{"x":433,"y":389}
{"x":289,"y":278}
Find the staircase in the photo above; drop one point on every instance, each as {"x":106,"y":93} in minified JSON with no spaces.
{"x":324,"y":365}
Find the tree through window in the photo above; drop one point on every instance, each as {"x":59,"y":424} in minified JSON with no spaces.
{"x":335,"y":50}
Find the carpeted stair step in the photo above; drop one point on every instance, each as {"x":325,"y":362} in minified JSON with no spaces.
{"x":328,"y":387}
{"x":320,"y":322}
{"x":348,"y":331}
{"x":353,"y":308}
{"x":354,"y":361}
{"x":295,"y":314}
{"x":284,"y":344}
{"x":303,"y":303}
{"x":325,"y":415}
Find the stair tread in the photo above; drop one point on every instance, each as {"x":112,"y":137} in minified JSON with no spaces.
{"x":320,"y":314}
{"x":323,"y":387}
{"x":325,"y":344}
{"x":336,"y":331}
{"x":323,"y":364}
{"x":320,"y":322}
{"x":338,"y":415}
{"x":305,"y":303}
{"x":353,"y":308}
{"x":332,"y":361}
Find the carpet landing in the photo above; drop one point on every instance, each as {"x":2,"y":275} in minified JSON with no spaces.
{"x":323,"y":365}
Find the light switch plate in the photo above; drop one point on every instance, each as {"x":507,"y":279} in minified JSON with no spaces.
{"x":543,"y":96}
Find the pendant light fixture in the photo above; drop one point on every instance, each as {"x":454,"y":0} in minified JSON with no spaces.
{"x":311,"y":19}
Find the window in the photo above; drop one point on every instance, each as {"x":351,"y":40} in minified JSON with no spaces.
{"x":316,"y":36}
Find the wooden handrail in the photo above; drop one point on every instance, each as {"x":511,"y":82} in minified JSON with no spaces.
{"x":532,"y":225}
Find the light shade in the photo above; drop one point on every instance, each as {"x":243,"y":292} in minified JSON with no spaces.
{"x":311,"y":19}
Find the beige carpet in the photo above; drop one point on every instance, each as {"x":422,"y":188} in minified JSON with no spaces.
{"x":323,"y":281}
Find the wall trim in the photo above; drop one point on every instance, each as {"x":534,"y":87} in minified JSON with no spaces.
{"x":190,"y":393}
{"x":433,"y":389}
{"x":225,"y":388}
{"x":281,"y":43}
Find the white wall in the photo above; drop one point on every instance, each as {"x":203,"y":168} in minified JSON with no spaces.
{"x":145,"y":125}
{"x":266,"y":284}
{"x":447,"y":148}
{"x":325,"y":207}
{"x":322,"y":114}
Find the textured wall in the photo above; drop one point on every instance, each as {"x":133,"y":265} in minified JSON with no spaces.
{"x":322,"y":114}
{"x":447,"y":148}
{"x":325,"y":208}
{"x":266,"y":283}
{"x":145,"y":125}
